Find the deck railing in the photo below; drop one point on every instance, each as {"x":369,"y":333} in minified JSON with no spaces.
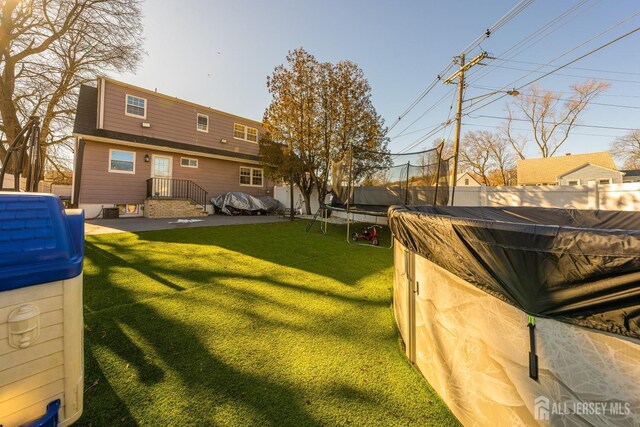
{"x":169,"y":188}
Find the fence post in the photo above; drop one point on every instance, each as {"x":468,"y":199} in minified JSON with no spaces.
{"x":483,"y":195}
{"x":593,"y":197}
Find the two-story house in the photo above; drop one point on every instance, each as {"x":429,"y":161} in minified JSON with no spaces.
{"x":146,"y":153}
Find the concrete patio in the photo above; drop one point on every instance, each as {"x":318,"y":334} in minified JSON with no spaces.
{"x":123,"y":225}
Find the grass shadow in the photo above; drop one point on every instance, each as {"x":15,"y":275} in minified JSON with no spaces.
{"x":204,"y":326}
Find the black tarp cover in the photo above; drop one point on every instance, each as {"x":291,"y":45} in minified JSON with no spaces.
{"x":577,"y":266}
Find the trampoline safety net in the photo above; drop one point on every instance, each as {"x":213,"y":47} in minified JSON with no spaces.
{"x":373,"y":181}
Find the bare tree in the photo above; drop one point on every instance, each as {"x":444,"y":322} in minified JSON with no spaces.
{"x":550,"y":122}
{"x":475,"y":154}
{"x":488,"y":156}
{"x":627,"y":149}
{"x":503,"y":161}
{"x":48,"y":48}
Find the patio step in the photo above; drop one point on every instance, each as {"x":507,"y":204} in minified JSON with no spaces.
{"x":172,"y":208}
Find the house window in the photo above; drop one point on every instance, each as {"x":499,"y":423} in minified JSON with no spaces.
{"x":256,"y":177}
{"x":605,"y":181}
{"x":252,"y":134}
{"x":573,"y":182}
{"x":136,"y":107}
{"x":127,"y":209}
{"x":466,"y":181}
{"x":245,"y":176}
{"x":245,"y":133}
{"x":202,"y":123}
{"x":122,"y":161}
{"x":251,"y":177}
{"x":186,"y":162}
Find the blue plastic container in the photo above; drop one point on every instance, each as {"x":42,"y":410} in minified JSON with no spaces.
{"x":41,"y":256}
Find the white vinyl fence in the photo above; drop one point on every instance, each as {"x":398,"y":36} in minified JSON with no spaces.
{"x":592,"y":196}
{"x":43,"y":187}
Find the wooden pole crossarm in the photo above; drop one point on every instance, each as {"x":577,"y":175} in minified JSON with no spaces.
{"x":464,"y":67}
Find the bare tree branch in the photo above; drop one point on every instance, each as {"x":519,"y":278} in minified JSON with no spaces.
{"x":48,"y":49}
{"x":551,"y":125}
{"x":627,"y":149}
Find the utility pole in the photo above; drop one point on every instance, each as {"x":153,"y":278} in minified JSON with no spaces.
{"x":456,"y":145}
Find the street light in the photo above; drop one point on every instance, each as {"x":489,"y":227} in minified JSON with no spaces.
{"x":512,"y":92}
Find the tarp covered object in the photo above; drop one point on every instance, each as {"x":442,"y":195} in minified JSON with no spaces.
{"x":234,"y":202}
{"x":474,"y":351}
{"x":577,"y":266}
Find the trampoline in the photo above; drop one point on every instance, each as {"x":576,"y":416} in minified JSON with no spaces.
{"x":415,"y":178}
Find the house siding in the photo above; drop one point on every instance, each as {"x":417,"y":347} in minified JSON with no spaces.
{"x":461,"y":181}
{"x":173,"y":120}
{"x":545,"y":171}
{"x":591,"y":173}
{"x":99,"y":186}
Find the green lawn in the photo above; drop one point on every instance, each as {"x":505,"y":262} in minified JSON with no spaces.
{"x":246,"y":325}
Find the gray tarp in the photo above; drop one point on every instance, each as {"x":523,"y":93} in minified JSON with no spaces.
{"x":577,"y":266}
{"x":235,"y":203}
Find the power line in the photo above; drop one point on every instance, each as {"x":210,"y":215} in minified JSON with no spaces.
{"x":424,"y":137}
{"x":523,"y":4}
{"x":550,"y":124}
{"x":420,"y":97}
{"x":499,"y":24}
{"x":561,"y":74}
{"x":572,"y":68}
{"x":569,"y":100}
{"x":610,"y":95}
{"x":530,"y":130}
{"x":609,"y":43}
{"x":414,"y":131}
{"x":424,"y":113}
{"x":566,"y":53}
{"x":537,"y":34}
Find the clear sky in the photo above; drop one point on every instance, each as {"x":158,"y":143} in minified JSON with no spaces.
{"x":219,"y":54}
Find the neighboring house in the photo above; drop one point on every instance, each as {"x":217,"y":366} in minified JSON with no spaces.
{"x":546,"y":171}
{"x":584,"y":174}
{"x":466,"y":180}
{"x":136,"y":147}
{"x":631,"y":175}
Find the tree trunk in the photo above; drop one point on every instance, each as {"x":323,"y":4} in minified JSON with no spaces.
{"x":306,"y":195}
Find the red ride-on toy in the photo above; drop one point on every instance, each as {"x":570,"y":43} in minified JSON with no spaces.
{"x":369,"y":233}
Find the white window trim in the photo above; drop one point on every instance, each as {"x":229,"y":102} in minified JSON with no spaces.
{"x":569,"y":181}
{"x":189,"y":166}
{"x":126,"y":96}
{"x":245,"y":133}
{"x":111,"y":150}
{"x":250,"y":176}
{"x":126,"y":210}
{"x":153,"y":157}
{"x":197,"y":128}
{"x":602,"y":179}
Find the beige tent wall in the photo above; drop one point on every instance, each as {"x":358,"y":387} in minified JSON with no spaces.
{"x":474,"y":351}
